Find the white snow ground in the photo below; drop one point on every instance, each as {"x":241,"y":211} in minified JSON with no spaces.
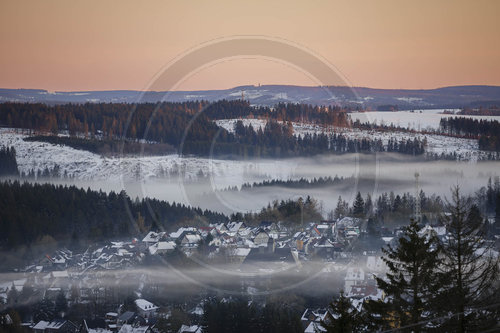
{"x":416,"y":119}
{"x":84,"y":165}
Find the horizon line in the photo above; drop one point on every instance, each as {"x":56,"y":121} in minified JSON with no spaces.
{"x":253,"y":86}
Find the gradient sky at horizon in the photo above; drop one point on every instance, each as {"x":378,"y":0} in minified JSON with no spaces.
{"x":120,"y":44}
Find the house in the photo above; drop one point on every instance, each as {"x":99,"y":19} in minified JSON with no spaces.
{"x":40,"y":326}
{"x":181,"y":232}
{"x":111,"y":319}
{"x":162,"y":247}
{"x":270,"y":257}
{"x":146,"y":308}
{"x":268,"y":226}
{"x":355,"y":276}
{"x":261,"y":237}
{"x":190,"y":240}
{"x":324,"y":248}
{"x":351,"y":232}
{"x":240,"y":253}
{"x":314,"y":327}
{"x":55,"y":326}
{"x":58,"y":278}
{"x":311,"y":319}
{"x":94,"y":326}
{"x":190,"y":329}
{"x":375,"y":264}
{"x":153,"y":237}
{"x":205,"y":231}
{"x":126,"y":318}
{"x":220,"y":227}
{"x":234,"y":227}
{"x":127,"y":328}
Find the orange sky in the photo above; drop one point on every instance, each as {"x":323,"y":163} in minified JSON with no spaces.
{"x":121,"y":44}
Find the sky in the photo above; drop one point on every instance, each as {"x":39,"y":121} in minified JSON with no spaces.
{"x":62,"y":45}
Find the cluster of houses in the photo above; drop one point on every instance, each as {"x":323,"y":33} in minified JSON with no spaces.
{"x":264,"y":246}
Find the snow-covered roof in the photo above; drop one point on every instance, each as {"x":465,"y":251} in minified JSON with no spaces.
{"x":152,"y":237}
{"x":387,"y":240}
{"x":99,"y":330}
{"x":41,"y":325}
{"x":133,"y":329}
{"x":161,"y":246}
{"x":241,"y":252}
{"x":193,"y":238}
{"x":234,"y":226}
{"x":56,"y":324}
{"x":348,"y":221}
{"x":190,"y":329}
{"x":181,"y":230}
{"x":314,"y":327}
{"x":145,"y":305}
{"x":198,"y":310}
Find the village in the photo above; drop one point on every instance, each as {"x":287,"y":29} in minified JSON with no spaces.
{"x":105,"y":274}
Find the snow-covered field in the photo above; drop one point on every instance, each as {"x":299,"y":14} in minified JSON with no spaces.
{"x":416,"y":119}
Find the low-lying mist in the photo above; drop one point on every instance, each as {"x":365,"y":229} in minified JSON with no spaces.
{"x":372,"y":174}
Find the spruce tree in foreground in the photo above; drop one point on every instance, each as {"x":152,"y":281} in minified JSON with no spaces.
{"x":341,"y":317}
{"x":411,"y":283}
{"x":471,"y":267}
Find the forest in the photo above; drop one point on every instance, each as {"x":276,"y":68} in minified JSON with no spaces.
{"x":32,"y":214}
{"x":8,"y":162}
{"x":189,"y":129}
{"x":488,"y":131}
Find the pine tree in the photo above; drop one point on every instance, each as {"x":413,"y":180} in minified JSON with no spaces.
{"x":471,"y":268}
{"x":61,"y":304}
{"x":44,"y":310}
{"x":368,"y":205}
{"x":341,"y":317}
{"x":358,"y":208}
{"x":411,"y":283}
{"x":341,"y":209}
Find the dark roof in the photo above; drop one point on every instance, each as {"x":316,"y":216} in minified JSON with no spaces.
{"x":96,"y":323}
{"x":262,"y":255}
{"x":126,"y":316}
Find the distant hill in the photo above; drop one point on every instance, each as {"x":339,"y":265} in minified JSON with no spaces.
{"x":446,"y":97}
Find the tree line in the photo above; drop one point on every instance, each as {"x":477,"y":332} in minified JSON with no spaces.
{"x":296,"y":183}
{"x":189,"y":128}
{"x":488,"y":131}
{"x":290,"y":211}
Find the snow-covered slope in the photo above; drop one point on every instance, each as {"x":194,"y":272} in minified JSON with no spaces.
{"x":83,"y":165}
{"x":467,"y":148}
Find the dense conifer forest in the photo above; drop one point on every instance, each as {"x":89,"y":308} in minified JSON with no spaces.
{"x":8,"y":162}
{"x":488,"y":131}
{"x":101,"y":127}
{"x":70,"y":215}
